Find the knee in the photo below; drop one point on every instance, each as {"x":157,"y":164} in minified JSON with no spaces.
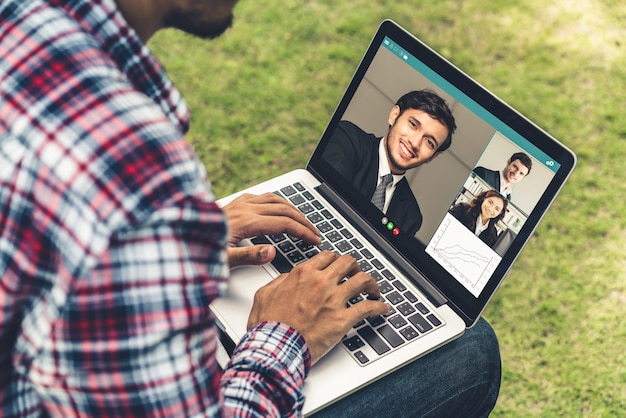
{"x":485,"y":352}
{"x":483,"y":340}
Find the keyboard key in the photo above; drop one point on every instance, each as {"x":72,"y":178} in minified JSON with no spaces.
{"x":306,"y":208}
{"x":337,"y":224}
{"x":423,"y":309}
{"x":395,"y":297}
{"x":326,"y":246}
{"x":399,"y":285}
{"x":376,"y":275}
{"x":261,"y":239}
{"x":375,"y":321}
{"x":357,"y":244}
{"x":373,"y":340}
{"x":355,"y":254}
{"x":288,"y":191}
{"x":410,"y":296}
{"x":353,"y":343}
{"x":409,"y":333}
{"x":356,"y":299}
{"x":377,"y":264}
{"x":333,"y":236}
{"x":434,"y":320}
{"x":314,"y":217}
{"x":388,"y":274}
{"x":311,"y":253}
{"x":405,"y":308}
{"x":298,"y":186}
{"x":277,"y":237}
{"x":295,"y":257}
{"x":397,"y":321}
{"x":296,"y":199}
{"x":365,"y":266}
{"x":420,"y":323}
{"x":390,"y":335}
{"x":317,"y":204}
{"x":304,"y":247}
{"x":324,"y":227}
{"x":346,"y":233}
{"x":343,"y":246}
{"x":362,"y":358}
{"x":308,"y":195}
{"x":281,"y":264}
{"x":326,"y":213}
{"x":286,"y":247}
{"x":367,"y":254}
{"x":358,"y":324}
{"x":385,"y":287}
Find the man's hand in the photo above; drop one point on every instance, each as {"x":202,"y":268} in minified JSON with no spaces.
{"x":311,"y":300}
{"x":251,"y":215}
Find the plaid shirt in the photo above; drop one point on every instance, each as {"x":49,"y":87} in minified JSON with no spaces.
{"x":111,"y":244}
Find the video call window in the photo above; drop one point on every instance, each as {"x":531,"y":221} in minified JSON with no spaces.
{"x":452,"y":188}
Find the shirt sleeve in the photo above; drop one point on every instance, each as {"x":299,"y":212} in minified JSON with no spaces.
{"x":266,"y":373}
{"x":113,"y":245}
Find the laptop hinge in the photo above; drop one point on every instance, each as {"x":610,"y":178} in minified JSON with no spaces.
{"x":433,"y":294}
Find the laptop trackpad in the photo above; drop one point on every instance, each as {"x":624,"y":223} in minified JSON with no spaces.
{"x":233,"y":308}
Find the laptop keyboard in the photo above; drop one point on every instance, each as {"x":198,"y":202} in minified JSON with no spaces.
{"x":409,"y":317}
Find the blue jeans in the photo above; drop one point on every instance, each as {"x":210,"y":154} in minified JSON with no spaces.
{"x":460,"y":379}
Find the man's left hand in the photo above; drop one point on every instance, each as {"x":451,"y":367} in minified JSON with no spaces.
{"x":251,"y":215}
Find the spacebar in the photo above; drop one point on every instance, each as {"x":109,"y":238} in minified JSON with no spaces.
{"x":279,"y":262}
{"x":374,"y":340}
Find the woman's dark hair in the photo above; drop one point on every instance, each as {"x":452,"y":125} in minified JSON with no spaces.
{"x":429,"y":102}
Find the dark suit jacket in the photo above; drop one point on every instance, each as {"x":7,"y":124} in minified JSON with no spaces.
{"x":354,"y":154}
{"x":492,"y":177}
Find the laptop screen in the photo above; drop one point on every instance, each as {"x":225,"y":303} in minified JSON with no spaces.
{"x":461,"y":215}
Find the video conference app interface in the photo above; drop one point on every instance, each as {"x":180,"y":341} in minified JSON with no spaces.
{"x":481,"y":154}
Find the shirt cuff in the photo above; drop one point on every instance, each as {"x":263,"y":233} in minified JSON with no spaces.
{"x":278,"y":341}
{"x":266,"y":372}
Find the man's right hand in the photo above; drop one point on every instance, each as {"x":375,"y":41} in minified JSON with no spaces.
{"x":311,"y":300}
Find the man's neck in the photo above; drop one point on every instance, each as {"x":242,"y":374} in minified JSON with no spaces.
{"x":504,"y":180}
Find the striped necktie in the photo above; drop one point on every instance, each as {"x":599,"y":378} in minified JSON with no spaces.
{"x":378,"y":199}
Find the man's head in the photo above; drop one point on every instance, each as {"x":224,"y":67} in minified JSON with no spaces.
{"x":420,"y":128}
{"x":517,"y":167}
{"x":202,"y":18}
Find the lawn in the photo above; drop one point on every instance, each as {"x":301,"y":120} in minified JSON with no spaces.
{"x":261,"y":95}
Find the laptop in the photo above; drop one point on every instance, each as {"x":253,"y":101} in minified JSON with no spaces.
{"x":438,"y":277}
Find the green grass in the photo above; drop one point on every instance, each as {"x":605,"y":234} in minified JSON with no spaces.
{"x":262,"y":94}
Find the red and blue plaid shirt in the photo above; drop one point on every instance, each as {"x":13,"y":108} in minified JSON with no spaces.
{"x":111,"y":243}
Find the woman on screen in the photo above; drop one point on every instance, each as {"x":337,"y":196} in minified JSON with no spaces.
{"x":482,"y":214}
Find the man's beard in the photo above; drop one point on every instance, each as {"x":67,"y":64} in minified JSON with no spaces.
{"x":201,"y":29}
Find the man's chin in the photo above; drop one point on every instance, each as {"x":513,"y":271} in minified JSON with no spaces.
{"x":201,"y":30}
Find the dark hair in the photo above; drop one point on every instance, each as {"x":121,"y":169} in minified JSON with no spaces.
{"x":474,"y":207}
{"x":524,"y":159}
{"x":429,"y":102}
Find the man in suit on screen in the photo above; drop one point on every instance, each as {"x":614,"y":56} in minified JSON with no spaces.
{"x":420,"y":128}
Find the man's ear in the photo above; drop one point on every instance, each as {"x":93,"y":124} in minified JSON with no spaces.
{"x":393,"y":115}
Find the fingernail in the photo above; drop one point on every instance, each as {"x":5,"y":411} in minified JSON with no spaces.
{"x":264,"y":253}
